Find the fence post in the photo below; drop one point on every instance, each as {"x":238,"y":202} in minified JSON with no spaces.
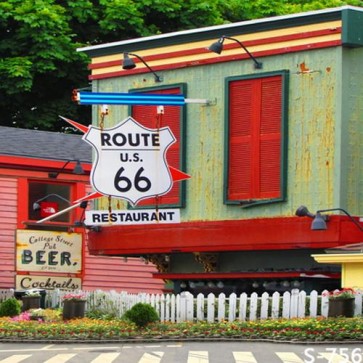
{"x":172,"y":308}
{"x":167,"y":308}
{"x":183,"y":306}
{"x":324,"y":303}
{"x":294,"y":303}
{"x":253,"y":306}
{"x":358,"y":304}
{"x":189,"y":306}
{"x":6,"y":294}
{"x":162,"y":308}
{"x":301,"y":304}
{"x":232,"y":307}
{"x":178,"y":308}
{"x":286,"y":305}
{"x":264,"y":305}
{"x":242,"y":307}
{"x":210,"y":308}
{"x":313,"y":308}
{"x":275,"y":308}
{"x":157,"y":306}
{"x":200,"y":307}
{"x":221,"y":306}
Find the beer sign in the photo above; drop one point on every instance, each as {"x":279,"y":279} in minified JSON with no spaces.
{"x":48,"y":251}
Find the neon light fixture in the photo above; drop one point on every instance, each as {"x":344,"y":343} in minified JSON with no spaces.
{"x":104,"y":98}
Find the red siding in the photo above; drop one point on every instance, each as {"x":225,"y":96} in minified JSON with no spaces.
{"x":8,"y":220}
{"x":103,"y":273}
{"x":113,"y":273}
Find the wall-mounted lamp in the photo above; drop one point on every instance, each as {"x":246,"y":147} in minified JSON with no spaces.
{"x":128,"y":63}
{"x":319,"y":220}
{"x":77,"y":169}
{"x":36,"y":205}
{"x":217,"y":47}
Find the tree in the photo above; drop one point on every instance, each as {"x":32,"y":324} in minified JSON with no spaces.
{"x":39,"y":63}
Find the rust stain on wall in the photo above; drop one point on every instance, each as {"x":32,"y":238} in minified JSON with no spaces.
{"x":303,"y":67}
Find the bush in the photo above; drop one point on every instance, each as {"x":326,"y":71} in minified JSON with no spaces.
{"x":142,"y":314}
{"x":101,"y":314}
{"x":10,"y":307}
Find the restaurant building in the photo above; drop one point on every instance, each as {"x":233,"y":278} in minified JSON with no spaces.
{"x":271,"y":120}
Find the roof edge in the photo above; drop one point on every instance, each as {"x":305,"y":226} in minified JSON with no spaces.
{"x":111,"y":47}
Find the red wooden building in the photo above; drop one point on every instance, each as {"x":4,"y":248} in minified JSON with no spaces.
{"x":42,"y":173}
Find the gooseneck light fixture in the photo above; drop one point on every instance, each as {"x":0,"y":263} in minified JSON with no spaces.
{"x":36,"y":205}
{"x":217,"y":47}
{"x":319,"y":220}
{"x":128,"y":63}
{"x":77,"y":169}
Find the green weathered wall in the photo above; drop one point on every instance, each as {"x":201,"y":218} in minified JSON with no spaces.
{"x":351,"y":185}
{"x":320,"y":129}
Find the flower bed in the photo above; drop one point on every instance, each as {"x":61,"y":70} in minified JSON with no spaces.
{"x":320,"y":329}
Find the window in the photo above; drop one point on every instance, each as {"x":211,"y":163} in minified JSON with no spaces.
{"x":174,"y":118}
{"x":46,"y":199}
{"x":255,"y":155}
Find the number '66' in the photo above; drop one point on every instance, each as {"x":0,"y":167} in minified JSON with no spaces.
{"x":123,"y":184}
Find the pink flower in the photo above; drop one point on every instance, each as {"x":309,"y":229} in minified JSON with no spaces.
{"x":25,"y":316}
{"x":344,"y":293}
{"x":75,"y":296}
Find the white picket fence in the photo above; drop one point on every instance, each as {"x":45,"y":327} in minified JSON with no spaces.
{"x":186,"y":307}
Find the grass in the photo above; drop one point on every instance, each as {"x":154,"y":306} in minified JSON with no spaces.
{"x":50,"y":326}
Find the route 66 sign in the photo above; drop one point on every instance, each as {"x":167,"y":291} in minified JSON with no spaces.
{"x":130,"y":160}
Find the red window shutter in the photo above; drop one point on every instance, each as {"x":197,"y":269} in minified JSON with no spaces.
{"x":148,"y":117}
{"x":240,"y":113}
{"x":270,"y":137}
{"x":254,"y":139}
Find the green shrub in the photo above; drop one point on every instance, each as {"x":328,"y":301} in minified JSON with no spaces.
{"x":141,"y":314}
{"x":10,"y":307}
{"x":101,"y":314}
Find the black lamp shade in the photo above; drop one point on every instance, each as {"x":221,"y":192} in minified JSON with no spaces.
{"x":128,"y":63}
{"x":318,"y":223}
{"x":216,"y":47}
{"x":78,"y":169}
{"x":302,"y":211}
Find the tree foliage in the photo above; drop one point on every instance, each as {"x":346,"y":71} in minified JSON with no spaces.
{"x":39,"y":64}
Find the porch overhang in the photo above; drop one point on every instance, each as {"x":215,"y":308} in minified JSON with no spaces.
{"x":282,"y":233}
{"x":246,"y":275}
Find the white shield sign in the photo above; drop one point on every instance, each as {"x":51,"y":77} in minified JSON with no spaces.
{"x":130,"y":160}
